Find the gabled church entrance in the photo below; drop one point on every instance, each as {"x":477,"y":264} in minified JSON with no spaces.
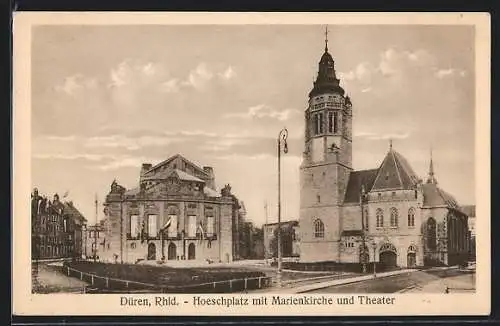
{"x":388,"y":256}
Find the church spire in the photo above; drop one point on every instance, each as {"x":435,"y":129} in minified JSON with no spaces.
{"x":431,"y":178}
{"x":326,"y":80}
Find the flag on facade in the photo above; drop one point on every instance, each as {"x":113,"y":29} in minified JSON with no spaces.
{"x":202,"y":232}
{"x":167,"y":225}
{"x":143,"y":233}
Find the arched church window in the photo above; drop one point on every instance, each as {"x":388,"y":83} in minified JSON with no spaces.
{"x":394,"y":217}
{"x":319,"y":229}
{"x":380,"y":217}
{"x":431,"y":233}
{"x":411,"y":217}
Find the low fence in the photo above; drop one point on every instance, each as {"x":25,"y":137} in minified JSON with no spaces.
{"x":104,"y":284}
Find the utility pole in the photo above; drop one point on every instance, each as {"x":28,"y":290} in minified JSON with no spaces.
{"x":95,"y":230}
{"x":282,"y":137}
{"x":266,"y":236}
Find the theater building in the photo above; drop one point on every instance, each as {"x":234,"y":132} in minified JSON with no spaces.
{"x":175,"y":213}
{"x":387,"y":214}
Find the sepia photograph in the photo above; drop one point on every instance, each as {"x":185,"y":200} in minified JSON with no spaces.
{"x":315,"y":158}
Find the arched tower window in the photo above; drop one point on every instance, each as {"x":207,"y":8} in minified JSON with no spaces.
{"x":394,"y":217}
{"x":411,"y":217}
{"x":365,"y":222}
{"x":380,"y":217}
{"x":319,"y":229}
{"x":431,"y":233}
{"x":330,"y":122}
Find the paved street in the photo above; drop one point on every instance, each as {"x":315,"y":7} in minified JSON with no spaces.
{"x":431,"y":281}
{"x":51,"y":280}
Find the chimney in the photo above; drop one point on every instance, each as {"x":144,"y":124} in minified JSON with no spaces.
{"x":145,"y":167}
{"x":211,"y":177}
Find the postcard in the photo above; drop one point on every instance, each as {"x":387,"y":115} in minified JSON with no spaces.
{"x":251,"y":164}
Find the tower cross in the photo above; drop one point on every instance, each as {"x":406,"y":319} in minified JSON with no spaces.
{"x":326,"y":38}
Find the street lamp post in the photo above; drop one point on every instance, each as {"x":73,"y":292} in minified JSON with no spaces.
{"x":374,"y":245}
{"x":282,"y":137}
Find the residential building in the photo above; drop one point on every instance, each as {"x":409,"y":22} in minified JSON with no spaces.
{"x":56,"y":228}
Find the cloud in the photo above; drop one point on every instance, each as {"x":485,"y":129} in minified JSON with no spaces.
{"x":397,"y":65}
{"x":263,"y":111}
{"x":171,"y":86}
{"x":381,"y":136}
{"x":199,"y":77}
{"x":75,"y":83}
{"x":203,"y":74}
{"x":70,"y":157}
{"x":228,"y":74}
{"x":444,"y":73}
{"x":131,"y":143}
{"x":124,"y":162}
{"x":389,"y":136}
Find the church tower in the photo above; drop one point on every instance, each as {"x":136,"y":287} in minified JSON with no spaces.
{"x":326,"y":164}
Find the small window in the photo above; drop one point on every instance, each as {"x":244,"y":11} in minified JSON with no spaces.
{"x":411,"y":217}
{"x":394,"y":217}
{"x":319,"y":229}
{"x":318,"y":197}
{"x":133,"y":245}
{"x":380,"y":218}
{"x":393,"y":194}
{"x":379,"y":196}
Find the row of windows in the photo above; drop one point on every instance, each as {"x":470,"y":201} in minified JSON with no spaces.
{"x":330,"y":98}
{"x":394,"y":217}
{"x":319,"y":227}
{"x":171,"y":226}
{"x":318,"y":122}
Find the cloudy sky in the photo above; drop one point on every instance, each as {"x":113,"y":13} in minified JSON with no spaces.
{"x":108,"y":98}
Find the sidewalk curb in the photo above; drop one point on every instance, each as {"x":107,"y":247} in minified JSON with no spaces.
{"x":323,"y":285}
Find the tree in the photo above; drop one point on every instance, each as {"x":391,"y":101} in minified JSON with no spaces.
{"x":287,"y":236}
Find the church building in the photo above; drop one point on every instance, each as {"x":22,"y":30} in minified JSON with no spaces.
{"x":174,"y":214}
{"x":386,"y":214}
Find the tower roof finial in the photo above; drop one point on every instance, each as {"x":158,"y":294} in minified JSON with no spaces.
{"x":390,"y":144}
{"x":326,"y":38}
{"x":431,"y":178}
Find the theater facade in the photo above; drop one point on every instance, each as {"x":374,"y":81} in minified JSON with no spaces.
{"x":175,"y":214}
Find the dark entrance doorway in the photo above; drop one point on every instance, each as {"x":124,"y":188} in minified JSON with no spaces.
{"x":172,"y":251}
{"x":388,"y":259}
{"x":388,"y":256}
{"x":151,"y":251}
{"x":191,"y":251}
{"x":411,"y":260}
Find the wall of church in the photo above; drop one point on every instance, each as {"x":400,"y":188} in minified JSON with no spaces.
{"x":351,"y":217}
{"x":435,"y":244}
{"x":319,"y":251}
{"x":318,"y":180}
{"x":404,"y":205}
